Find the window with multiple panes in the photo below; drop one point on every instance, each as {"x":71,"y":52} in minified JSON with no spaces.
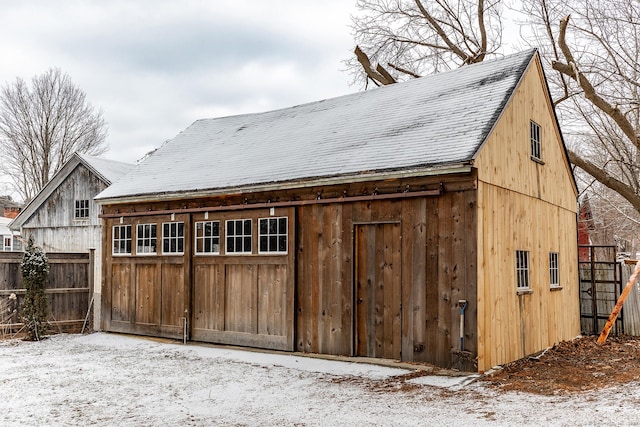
{"x":208,"y":237}
{"x":121,"y":240}
{"x":536,"y":150}
{"x":238,"y":236}
{"x":146,"y":239}
{"x":522,"y":269}
{"x":554,"y":279}
{"x":82,"y":209}
{"x":8,"y":244}
{"x":272,"y":235}
{"x":173,"y":238}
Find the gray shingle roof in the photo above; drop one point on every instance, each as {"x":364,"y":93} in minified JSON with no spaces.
{"x":110,"y":170}
{"x":428,"y":122}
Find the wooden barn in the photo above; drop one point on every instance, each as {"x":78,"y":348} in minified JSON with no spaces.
{"x":63,"y":217}
{"x":372,"y":224}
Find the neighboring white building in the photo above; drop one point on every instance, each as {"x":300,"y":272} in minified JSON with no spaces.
{"x":9,"y":238}
{"x":62,"y":217}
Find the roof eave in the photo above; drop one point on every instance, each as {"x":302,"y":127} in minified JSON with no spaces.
{"x":448,"y":169}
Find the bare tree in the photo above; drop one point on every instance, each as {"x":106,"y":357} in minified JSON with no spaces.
{"x":594,"y":49}
{"x":414,"y":37}
{"x":42,"y":126}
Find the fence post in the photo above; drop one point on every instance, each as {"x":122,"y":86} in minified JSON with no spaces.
{"x":92,"y":266}
{"x":91,"y":278}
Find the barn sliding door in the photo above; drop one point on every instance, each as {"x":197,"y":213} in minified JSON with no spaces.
{"x":378,"y":290}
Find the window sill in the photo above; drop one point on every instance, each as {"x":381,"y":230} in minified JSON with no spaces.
{"x":537,"y":160}
{"x":555,"y":288}
{"x":524,"y":291}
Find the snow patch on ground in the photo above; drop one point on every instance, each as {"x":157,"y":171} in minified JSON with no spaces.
{"x":107,"y":379}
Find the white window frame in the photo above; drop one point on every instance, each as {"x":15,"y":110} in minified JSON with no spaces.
{"x":170,"y":239}
{"x":269,"y":236}
{"x":243,"y":236}
{"x":147,"y":240}
{"x":201,"y":240}
{"x":523,"y":282}
{"x":554,"y":270}
{"x":81,"y":207}
{"x":8,"y":248}
{"x":535,"y":136}
{"x":120,"y":240}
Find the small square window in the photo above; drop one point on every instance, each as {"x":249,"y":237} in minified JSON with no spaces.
{"x":82,"y":209}
{"x":272,"y":235}
{"x":173,"y":238}
{"x":522,"y":270}
{"x":536,"y":149}
{"x":239,"y":236}
{"x":207,"y":237}
{"x":554,"y":279}
{"x":146,"y":240}
{"x":121,"y":240}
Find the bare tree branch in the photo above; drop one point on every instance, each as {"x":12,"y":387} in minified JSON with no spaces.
{"x":570,"y":69}
{"x":605,"y":178}
{"x":375,"y":75}
{"x":419,"y":37}
{"x":41,"y":128}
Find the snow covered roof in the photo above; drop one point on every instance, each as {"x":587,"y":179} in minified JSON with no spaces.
{"x":109,"y":170}
{"x":429,"y":122}
{"x":106,"y":170}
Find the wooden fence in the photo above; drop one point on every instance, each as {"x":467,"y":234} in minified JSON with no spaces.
{"x":69,"y":291}
{"x":631,"y":307}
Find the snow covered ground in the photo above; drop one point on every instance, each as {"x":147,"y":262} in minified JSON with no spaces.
{"x":112,"y":380}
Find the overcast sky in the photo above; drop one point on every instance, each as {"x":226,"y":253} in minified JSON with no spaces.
{"x":155,"y":66}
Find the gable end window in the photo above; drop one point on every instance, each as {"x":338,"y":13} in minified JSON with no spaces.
{"x":121,"y":240}
{"x":239,"y":233}
{"x":554,"y":279}
{"x":173,"y":238}
{"x":146,"y":239}
{"x":522,"y":270}
{"x":208,"y":237}
{"x":82,"y":209}
{"x":272,"y":235}
{"x":536,"y":148}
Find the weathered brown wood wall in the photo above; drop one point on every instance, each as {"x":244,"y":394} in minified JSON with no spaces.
{"x":434,"y":246}
{"x":68,"y":288}
{"x":418,"y":251}
{"x":225,"y":298}
{"x":147,"y":294}
{"x":245,"y":299}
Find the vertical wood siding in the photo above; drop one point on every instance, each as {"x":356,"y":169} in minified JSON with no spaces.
{"x":144,"y":294}
{"x":434,"y":273}
{"x":531,"y":206}
{"x":54,"y":228}
{"x":237,"y":299}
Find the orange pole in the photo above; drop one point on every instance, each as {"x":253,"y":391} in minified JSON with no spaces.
{"x":616,"y":310}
